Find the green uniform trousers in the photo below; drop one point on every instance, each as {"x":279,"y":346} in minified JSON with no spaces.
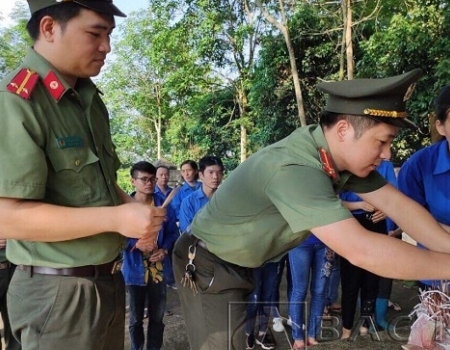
{"x":215,"y":316}
{"x":61,"y":312}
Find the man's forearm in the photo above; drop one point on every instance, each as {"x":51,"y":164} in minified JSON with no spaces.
{"x":415,"y":220}
{"x":37,"y":221}
{"x":383,"y":255}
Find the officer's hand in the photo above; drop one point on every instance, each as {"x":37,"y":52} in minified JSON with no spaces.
{"x":378,"y":216}
{"x":138,"y":220}
{"x":367,"y":207}
{"x":158,"y":255}
{"x":146,"y":245}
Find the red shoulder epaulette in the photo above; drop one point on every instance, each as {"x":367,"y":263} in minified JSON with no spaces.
{"x":327,"y":164}
{"x":54,"y":86}
{"x":23,"y":83}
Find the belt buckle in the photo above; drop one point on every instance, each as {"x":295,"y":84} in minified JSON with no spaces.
{"x":117,"y":266}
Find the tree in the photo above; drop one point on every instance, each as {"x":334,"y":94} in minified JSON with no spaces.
{"x":414,"y":37}
{"x":228,"y":33}
{"x":153,"y":71}
{"x":14,"y":39}
{"x":283,"y":27}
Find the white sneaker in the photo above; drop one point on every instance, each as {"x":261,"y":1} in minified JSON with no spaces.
{"x":278,"y":325}
{"x":289,"y":321}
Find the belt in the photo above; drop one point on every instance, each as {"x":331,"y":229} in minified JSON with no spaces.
{"x":197,"y":241}
{"x":110,"y":268}
{"x":5,"y":265}
{"x":200,"y":243}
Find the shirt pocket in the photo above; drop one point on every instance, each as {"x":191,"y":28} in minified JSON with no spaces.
{"x":111,"y":160}
{"x":74,"y":177}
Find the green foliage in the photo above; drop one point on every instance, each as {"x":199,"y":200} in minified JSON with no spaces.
{"x":272,"y":92}
{"x":188,"y":74}
{"x":14,"y":39}
{"x":414,"y":37}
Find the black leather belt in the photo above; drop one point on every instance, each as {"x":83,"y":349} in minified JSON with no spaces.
{"x":5,"y":265}
{"x":81,"y":271}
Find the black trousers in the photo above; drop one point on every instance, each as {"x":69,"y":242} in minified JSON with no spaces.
{"x":357,"y":281}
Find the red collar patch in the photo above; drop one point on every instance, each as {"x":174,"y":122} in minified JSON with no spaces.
{"x":54,"y":86}
{"x":23,"y":83}
{"x":327,"y":164}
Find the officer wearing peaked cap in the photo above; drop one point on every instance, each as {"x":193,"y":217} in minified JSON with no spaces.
{"x":380,"y":99}
{"x":271,"y":202}
{"x":101,"y":6}
{"x":61,"y":209}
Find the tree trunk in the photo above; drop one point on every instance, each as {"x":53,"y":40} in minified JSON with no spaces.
{"x":242,"y":103}
{"x":296,"y":79}
{"x":243,"y":143}
{"x":348,"y":39}
{"x":283,"y":27}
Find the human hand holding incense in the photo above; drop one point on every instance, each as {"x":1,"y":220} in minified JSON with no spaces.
{"x":164,"y":205}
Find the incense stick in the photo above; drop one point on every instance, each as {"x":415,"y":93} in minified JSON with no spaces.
{"x":171,"y":194}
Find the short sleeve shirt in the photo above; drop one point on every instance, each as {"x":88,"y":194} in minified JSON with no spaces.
{"x":56,"y":148}
{"x":425,"y":177}
{"x":190,"y":206}
{"x":270,"y":202}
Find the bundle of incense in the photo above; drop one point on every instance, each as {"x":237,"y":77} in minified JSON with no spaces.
{"x":166,"y":203}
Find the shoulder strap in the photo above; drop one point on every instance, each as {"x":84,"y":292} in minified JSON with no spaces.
{"x":23,"y":83}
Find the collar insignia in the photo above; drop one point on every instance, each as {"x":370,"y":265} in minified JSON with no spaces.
{"x":327,"y":164}
{"x":54,"y":86}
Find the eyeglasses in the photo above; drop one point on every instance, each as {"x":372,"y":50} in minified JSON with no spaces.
{"x":146,"y":180}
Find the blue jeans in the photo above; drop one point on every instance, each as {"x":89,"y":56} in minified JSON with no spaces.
{"x":333,"y":285}
{"x":306,"y":259}
{"x":153,"y":295}
{"x":262,"y":300}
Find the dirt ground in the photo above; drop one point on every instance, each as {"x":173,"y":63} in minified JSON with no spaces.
{"x":175,"y":335}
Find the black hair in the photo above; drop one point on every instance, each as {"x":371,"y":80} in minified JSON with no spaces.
{"x":193,"y":165}
{"x":163,"y":166}
{"x":360,"y":123}
{"x":143,"y":166}
{"x":442,"y":104}
{"x":207,"y":161}
{"x":61,"y":13}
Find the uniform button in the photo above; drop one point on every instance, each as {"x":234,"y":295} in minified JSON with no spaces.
{"x":77,"y":162}
{"x":109,"y":182}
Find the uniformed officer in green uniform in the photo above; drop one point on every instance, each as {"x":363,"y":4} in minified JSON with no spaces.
{"x":61,"y":210}
{"x":270,"y":203}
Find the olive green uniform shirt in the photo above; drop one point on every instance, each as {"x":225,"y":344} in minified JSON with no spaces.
{"x":58,"y":151}
{"x":269,"y":204}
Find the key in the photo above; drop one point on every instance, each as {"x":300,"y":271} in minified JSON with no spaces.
{"x":188,"y":278}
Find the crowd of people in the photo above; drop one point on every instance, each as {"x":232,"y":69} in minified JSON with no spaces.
{"x":73,"y":242}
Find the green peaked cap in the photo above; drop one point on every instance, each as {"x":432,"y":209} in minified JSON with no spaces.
{"x":382,"y":99}
{"x":101,"y":6}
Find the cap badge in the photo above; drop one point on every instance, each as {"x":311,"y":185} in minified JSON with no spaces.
{"x":327,"y":164}
{"x":409,"y":92}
